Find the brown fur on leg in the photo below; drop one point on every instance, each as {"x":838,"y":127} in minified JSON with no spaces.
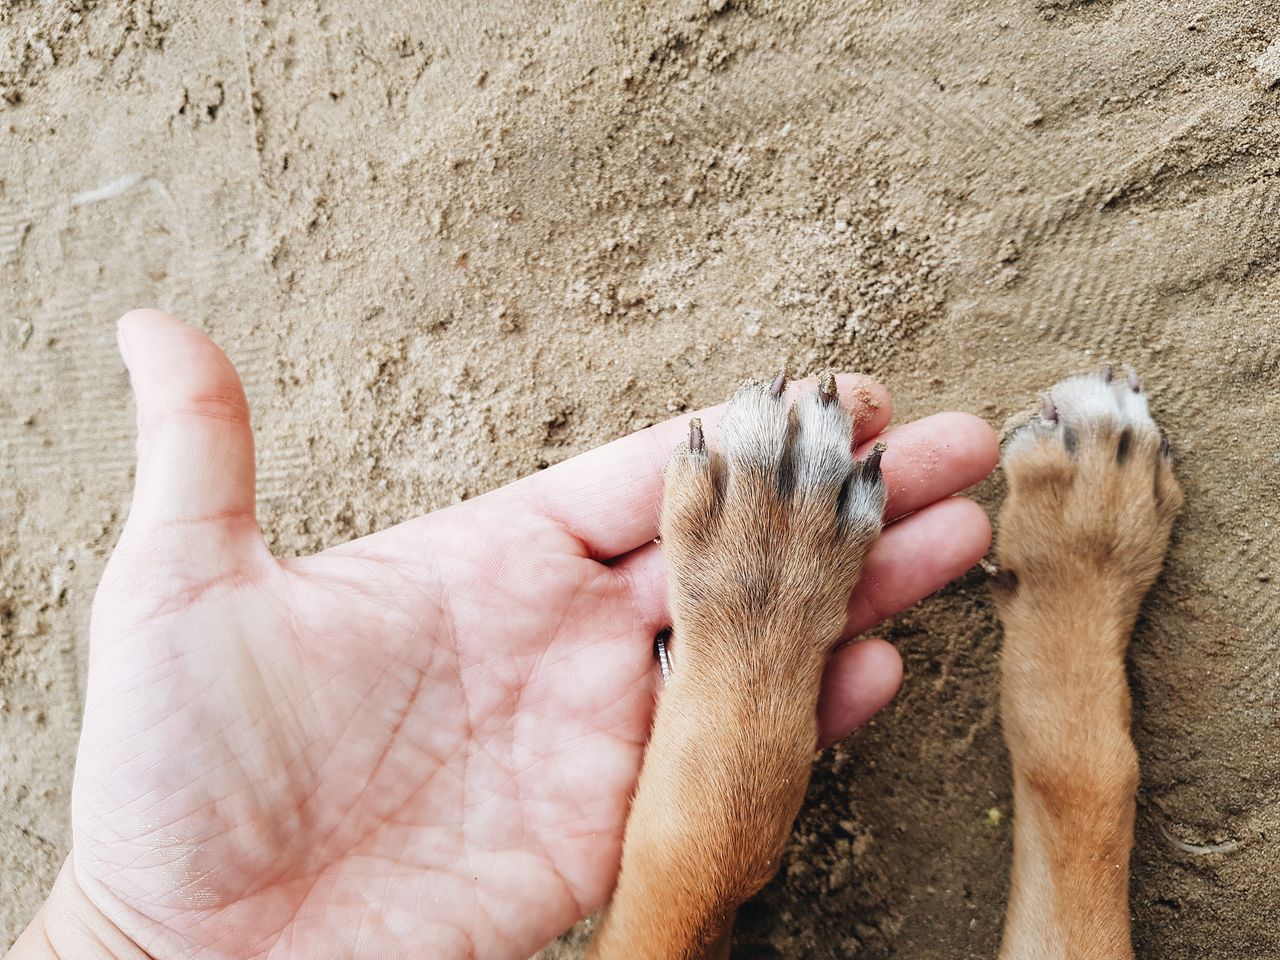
{"x":1082,"y":537}
{"x":764,"y":543}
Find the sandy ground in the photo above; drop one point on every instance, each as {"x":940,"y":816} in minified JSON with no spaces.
{"x":448,"y":247}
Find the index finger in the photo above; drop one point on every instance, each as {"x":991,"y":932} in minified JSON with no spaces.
{"x":610,"y":498}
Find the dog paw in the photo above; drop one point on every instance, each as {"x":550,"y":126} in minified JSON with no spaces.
{"x":1092,"y":496}
{"x":764,"y":536}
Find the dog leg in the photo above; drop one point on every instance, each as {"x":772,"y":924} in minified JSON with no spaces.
{"x":764,"y":540}
{"x":1082,"y":536}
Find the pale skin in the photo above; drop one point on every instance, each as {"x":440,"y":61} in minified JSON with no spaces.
{"x":422,"y":742}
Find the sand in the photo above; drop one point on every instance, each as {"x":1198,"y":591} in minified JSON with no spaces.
{"x":449,"y":246}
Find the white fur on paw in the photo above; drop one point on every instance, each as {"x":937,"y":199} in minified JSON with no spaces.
{"x":1082,"y":407}
{"x":807,"y":448}
{"x":823,"y":454}
{"x":755,"y":426}
{"x":864,"y":496}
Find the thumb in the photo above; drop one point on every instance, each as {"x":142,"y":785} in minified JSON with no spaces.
{"x":195,"y":446}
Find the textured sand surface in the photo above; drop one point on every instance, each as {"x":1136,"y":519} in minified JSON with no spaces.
{"x":449,"y":246}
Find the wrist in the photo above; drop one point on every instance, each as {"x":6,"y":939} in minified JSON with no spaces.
{"x":70,"y":925}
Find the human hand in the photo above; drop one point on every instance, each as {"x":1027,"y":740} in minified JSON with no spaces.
{"x":422,"y":742}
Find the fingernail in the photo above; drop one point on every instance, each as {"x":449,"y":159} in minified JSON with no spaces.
{"x":122,"y":344}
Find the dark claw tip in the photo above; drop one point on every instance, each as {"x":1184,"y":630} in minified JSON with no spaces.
{"x":871,"y":465}
{"x":1049,"y":411}
{"x":827,"y":387}
{"x":779,"y":383}
{"x":1134,"y":383}
{"x":1107,"y":373}
{"x":697,"y":442}
{"x":1166,"y":448}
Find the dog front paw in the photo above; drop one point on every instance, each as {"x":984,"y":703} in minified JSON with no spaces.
{"x":765,"y":537}
{"x":1092,"y":495}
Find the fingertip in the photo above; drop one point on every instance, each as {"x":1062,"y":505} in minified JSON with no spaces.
{"x":883,"y":664}
{"x":195,"y":445}
{"x":916,"y":556}
{"x":934,"y":457}
{"x":136,"y":324}
{"x":980,"y":440}
{"x":887,"y":653}
{"x":170,"y":360}
{"x":969,"y":516}
{"x":861,"y":679}
{"x":968,"y":445}
{"x":143,"y":316}
{"x":868,"y":401}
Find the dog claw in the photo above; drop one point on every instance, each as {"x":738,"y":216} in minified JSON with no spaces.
{"x":1166,"y":448}
{"x":779,"y":383}
{"x":871,"y":465}
{"x":1134,"y":383}
{"x":827,"y":388}
{"x":1107,"y":373}
{"x":697,"y":442}
{"x":1049,"y":411}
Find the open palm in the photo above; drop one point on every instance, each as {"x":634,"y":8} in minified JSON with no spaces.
{"x":423,"y":742}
